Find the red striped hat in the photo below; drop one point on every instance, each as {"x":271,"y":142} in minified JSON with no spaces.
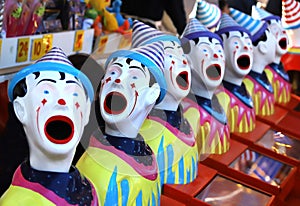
{"x":290,"y":14}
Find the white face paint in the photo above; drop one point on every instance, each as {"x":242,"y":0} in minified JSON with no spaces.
{"x":238,"y":50}
{"x":123,"y":90}
{"x":208,"y":61}
{"x":271,"y":47}
{"x":280,"y":35}
{"x":54,"y":111}
{"x":177,"y":71}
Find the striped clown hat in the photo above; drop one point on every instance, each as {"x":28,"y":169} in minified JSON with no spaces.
{"x":208,"y":14}
{"x":143,"y":34}
{"x":54,"y":60}
{"x":290,"y":14}
{"x":195,"y":29}
{"x":262,"y":14}
{"x":255,"y":26}
{"x":150,"y":55}
{"x":227,"y":24}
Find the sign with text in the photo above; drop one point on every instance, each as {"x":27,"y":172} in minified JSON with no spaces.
{"x":78,"y":40}
{"x":23,"y":47}
{"x":37,"y":49}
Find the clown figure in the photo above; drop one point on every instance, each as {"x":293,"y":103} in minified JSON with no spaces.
{"x":166,"y":130}
{"x":206,"y":57}
{"x":52,"y":100}
{"x":118,"y":161}
{"x":233,"y":96}
{"x":264,"y":44}
{"x":275,"y":71}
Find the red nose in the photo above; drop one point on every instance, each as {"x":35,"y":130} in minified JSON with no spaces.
{"x":61,"y":102}
{"x":215,"y":56}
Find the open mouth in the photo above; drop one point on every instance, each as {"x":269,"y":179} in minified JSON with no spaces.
{"x":183,"y":80}
{"x":115,"y":103}
{"x":243,"y":62}
{"x":283,"y":43}
{"x":59,"y":129}
{"x":214,"y":72}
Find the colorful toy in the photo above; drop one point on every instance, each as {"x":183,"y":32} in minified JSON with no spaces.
{"x":166,"y":130}
{"x":52,"y":100}
{"x":233,"y":96}
{"x":275,"y":71}
{"x":118,"y":160}
{"x":36,"y":16}
{"x":264,"y":44}
{"x":12,"y":16}
{"x":205,"y":54}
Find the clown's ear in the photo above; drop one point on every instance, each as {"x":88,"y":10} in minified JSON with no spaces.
{"x":20,"y":109}
{"x":152,"y":94}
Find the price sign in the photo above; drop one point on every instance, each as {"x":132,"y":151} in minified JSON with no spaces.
{"x":23,"y":47}
{"x":0,"y":46}
{"x":78,"y":40}
{"x":102,"y":44}
{"x":47,"y":43}
{"x":37,"y":49}
{"x":125,"y":40}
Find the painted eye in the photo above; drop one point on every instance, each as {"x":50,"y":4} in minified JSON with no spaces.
{"x":236,"y":43}
{"x":113,"y":73}
{"x":134,"y":77}
{"x":75,"y":94}
{"x":46,"y":92}
{"x":204,"y":50}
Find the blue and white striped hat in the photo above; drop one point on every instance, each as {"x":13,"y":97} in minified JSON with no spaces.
{"x":262,"y":14}
{"x":254,"y":26}
{"x":227,"y":24}
{"x":194,"y":29}
{"x":150,"y":55}
{"x":208,"y":14}
{"x":54,"y":60}
{"x":143,"y":34}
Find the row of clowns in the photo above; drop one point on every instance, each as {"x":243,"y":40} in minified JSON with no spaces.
{"x":161,"y":107}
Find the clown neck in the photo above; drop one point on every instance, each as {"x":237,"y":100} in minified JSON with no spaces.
{"x":232,"y":77}
{"x":169,"y":103}
{"x":200,"y":89}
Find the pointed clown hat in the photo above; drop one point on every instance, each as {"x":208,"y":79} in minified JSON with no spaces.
{"x":54,"y":60}
{"x":262,"y":14}
{"x":290,"y":14}
{"x":150,"y":55}
{"x":254,"y":26}
{"x":195,"y":29}
{"x":208,"y":14}
{"x":143,"y":34}
{"x":227,"y":24}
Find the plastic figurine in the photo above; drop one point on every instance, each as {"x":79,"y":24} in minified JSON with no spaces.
{"x":118,"y":161}
{"x":123,"y":23}
{"x":291,"y":60}
{"x":264,"y":44}
{"x":208,"y":14}
{"x":166,"y":130}
{"x":12,"y":15}
{"x":36,"y":16}
{"x":233,"y":96}
{"x":206,"y":58}
{"x":52,"y":100}
{"x":275,"y":71}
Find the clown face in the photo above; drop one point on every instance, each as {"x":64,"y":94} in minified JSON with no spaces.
{"x":177,"y":71}
{"x":280,"y":36}
{"x":208,"y":61}
{"x":239,"y":52}
{"x":123,"y":90}
{"x":54,"y":111}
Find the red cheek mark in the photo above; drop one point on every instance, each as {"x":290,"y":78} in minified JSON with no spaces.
{"x":132,"y":85}
{"x":108,"y":80}
{"x":44,"y":101}
{"x":77,"y":105}
{"x":184,"y":62}
{"x":173,"y":62}
{"x":117,"y":80}
{"x":206,"y":55}
{"x":237,"y":47}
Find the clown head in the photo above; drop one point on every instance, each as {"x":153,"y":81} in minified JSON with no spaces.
{"x":206,"y":57}
{"x":264,"y":43}
{"x":176,"y":69}
{"x":238,"y":50}
{"x":276,"y":28}
{"x":52,"y":100}
{"x":133,"y":83}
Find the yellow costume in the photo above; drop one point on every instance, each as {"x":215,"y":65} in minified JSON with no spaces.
{"x":176,"y":152}
{"x":120,"y":179}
